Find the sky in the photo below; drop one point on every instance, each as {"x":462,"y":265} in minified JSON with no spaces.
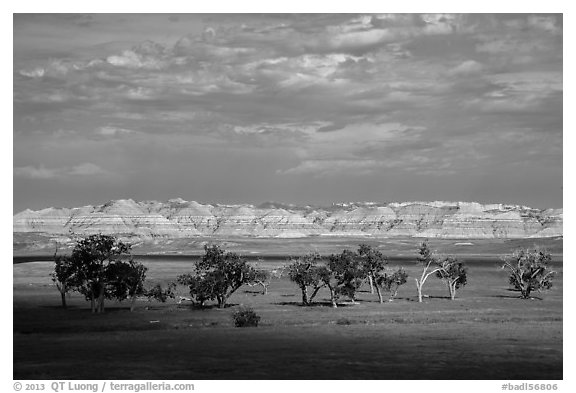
{"x":294,"y":108}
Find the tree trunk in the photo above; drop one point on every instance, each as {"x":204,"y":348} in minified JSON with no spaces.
{"x":333,"y":298}
{"x":525,"y":293}
{"x":92,"y":301}
{"x":304,"y":296}
{"x":221,"y":301}
{"x":452,"y":287}
{"x":132,"y":302}
{"x":380,"y":299}
{"x":100,"y":304}
{"x":63,"y":296}
{"x":393,"y":294}
{"x":371,"y":281}
{"x":419,"y":287}
{"x":313,"y":294}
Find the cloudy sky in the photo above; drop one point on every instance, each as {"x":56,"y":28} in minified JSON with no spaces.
{"x":291,"y":108}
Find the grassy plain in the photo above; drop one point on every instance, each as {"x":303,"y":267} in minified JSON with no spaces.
{"x":486,"y":333}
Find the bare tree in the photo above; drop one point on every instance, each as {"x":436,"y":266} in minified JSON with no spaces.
{"x":429,"y":266}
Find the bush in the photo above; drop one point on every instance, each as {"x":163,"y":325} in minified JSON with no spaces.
{"x":246,"y":317}
{"x":344,"y":321}
{"x":160,"y":294}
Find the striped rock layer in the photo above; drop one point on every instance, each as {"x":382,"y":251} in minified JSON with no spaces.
{"x":178,"y":218}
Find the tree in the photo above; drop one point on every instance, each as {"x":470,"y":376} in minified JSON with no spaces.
{"x":92,"y":258}
{"x":98,"y":269}
{"x":529,"y":271}
{"x":64,"y":275}
{"x":373,"y":263}
{"x":218,"y":275}
{"x":344,"y":275}
{"x":261,"y":277}
{"x":306,"y":274}
{"x":126,"y":280}
{"x":429,"y":264}
{"x":453,"y":273}
{"x":202,"y":287}
{"x":390,"y":282}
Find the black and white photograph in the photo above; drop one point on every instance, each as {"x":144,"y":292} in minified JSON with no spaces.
{"x":287,"y":196}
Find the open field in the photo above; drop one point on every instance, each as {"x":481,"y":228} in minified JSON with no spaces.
{"x":35,"y":245}
{"x":486,"y":333}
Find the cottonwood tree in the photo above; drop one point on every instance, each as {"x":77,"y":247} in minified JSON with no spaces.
{"x":64,"y":275}
{"x":98,"y":269}
{"x":529,"y":271}
{"x":429,"y":264}
{"x":305,"y":272}
{"x":374,"y":263}
{"x":202,"y":287}
{"x":218,"y":275}
{"x":92,"y":257}
{"x":126,"y":280}
{"x":263,"y":278}
{"x":391,"y":281}
{"x":453,"y":273}
{"x":343,"y":275}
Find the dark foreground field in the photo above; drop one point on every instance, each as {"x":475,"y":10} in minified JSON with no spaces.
{"x":486,"y":333}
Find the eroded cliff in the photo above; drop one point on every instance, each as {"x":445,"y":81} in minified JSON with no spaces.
{"x":178,"y":218}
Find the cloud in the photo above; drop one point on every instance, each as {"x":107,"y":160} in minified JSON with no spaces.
{"x":147,"y":55}
{"x":32,"y":172}
{"x":331,"y":127}
{"x":110,"y":131}
{"x":85,"y":169}
{"x":467,"y":68}
{"x":547,"y":23}
{"x":41,"y":172}
{"x":519,"y":92}
{"x":354,"y":93}
{"x":333,"y":167}
{"x":37,"y":72}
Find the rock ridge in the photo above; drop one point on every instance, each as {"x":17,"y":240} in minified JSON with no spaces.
{"x":178,"y":218}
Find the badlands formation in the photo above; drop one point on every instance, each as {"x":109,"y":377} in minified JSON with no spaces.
{"x":178,"y":218}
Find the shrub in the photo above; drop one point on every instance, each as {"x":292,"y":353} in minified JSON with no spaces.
{"x":246,"y":317}
{"x":344,"y":321}
{"x":160,"y":294}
